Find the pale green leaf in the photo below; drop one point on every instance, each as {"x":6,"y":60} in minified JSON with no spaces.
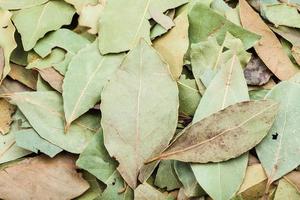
{"x":205,"y":22}
{"x":147,"y":192}
{"x":278,"y":152}
{"x":87,"y":74}
{"x":96,"y":160}
{"x":282,"y":14}
{"x":166,"y":176}
{"x":42,"y":85}
{"x":208,"y":141}
{"x":63,"y":38}
{"x":286,"y":191}
{"x":7,"y":41}
{"x":30,"y":140}
{"x":33,"y":23}
{"x":122,"y":32}
{"x":148,"y":121}
{"x":95,"y":190}
{"x":17,"y":4}
{"x":44,"y":111}
{"x":188,"y":180}
{"x":80,"y":4}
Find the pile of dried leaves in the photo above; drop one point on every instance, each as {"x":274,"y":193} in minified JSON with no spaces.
{"x":149,"y":99}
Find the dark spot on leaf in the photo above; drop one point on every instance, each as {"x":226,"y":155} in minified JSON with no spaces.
{"x":5,"y":27}
{"x":275,"y":136}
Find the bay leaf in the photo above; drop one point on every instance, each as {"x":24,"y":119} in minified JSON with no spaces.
{"x":290,"y":34}
{"x":173,"y":45}
{"x":166,"y":176}
{"x":11,"y":86}
{"x":189,"y":96}
{"x":232,"y":88}
{"x":90,"y":71}
{"x":278,"y":152}
{"x":19,"y":55}
{"x":80,"y":4}
{"x":23,"y":75}
{"x":254,"y":183}
{"x":137,"y":83}
{"x":165,"y":21}
{"x":63,"y":38}
{"x":147,"y":192}
{"x":30,"y":140}
{"x":294,"y":179}
{"x":95,"y":190}
{"x":89,"y":17}
{"x":282,"y":14}
{"x":286,"y":191}
{"x":205,"y":141}
{"x":51,"y":76}
{"x":42,"y":85}
{"x":132,"y":15}
{"x":44,"y":111}
{"x":157,"y":30}
{"x":16,"y":4}
{"x":33,"y":23}
{"x":205,"y":22}
{"x":186,"y":176}
{"x":256,"y":72}
{"x":7,"y":41}
{"x":6,"y":111}
{"x":95,"y":159}
{"x":258,"y":94}
{"x":268,"y":48}
{"x":26,"y":179}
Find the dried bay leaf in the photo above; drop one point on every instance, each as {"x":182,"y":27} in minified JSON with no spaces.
{"x":132,"y":15}
{"x":256,"y":72}
{"x":268,"y":48}
{"x":7,"y":42}
{"x":278,"y":152}
{"x":205,"y":22}
{"x":33,"y":23}
{"x":44,"y":111}
{"x":51,"y":76}
{"x":30,"y":140}
{"x":89,"y":17}
{"x":286,"y":191}
{"x":11,"y":86}
{"x":23,"y":75}
{"x":16,"y":4}
{"x":95,"y":190}
{"x":294,"y":179}
{"x":80,"y":4}
{"x":137,"y":83}
{"x":232,"y":88}
{"x":173,"y":45}
{"x":90,"y":71}
{"x":27,"y":180}
{"x":166,"y":176}
{"x":147,"y":192}
{"x":6,"y":110}
{"x":205,"y":141}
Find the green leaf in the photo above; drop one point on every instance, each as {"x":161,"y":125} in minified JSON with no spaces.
{"x":221,"y":180}
{"x":258,"y":94}
{"x":166,"y":176}
{"x":17,"y":4}
{"x":148,"y":121}
{"x":95,"y":190}
{"x":63,"y":38}
{"x":240,"y":127}
{"x":7,"y":41}
{"x":282,"y":14}
{"x":96,"y":160}
{"x":278,"y":152}
{"x":232,"y":88}
{"x":189,"y":96}
{"x":87,"y":74}
{"x":121,"y":32}
{"x":33,"y":23}
{"x":147,"y":192}
{"x":30,"y":140}
{"x":44,"y":112}
{"x":188,"y":180}
{"x":205,"y":22}
{"x":286,"y":191}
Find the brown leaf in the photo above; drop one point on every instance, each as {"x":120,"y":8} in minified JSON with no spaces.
{"x":256,"y":72}
{"x":10,"y":86}
{"x":296,"y":53}
{"x":53,"y":77}
{"x":268,"y":48}
{"x":294,"y":178}
{"x":6,"y":110}
{"x":23,"y":75}
{"x":42,"y":178}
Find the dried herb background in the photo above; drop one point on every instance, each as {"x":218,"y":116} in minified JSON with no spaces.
{"x":149,"y":99}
